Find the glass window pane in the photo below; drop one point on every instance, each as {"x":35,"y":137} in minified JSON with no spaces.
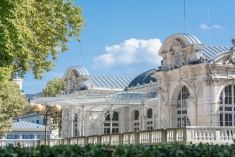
{"x":221,"y":108}
{"x":228,"y":108}
{"x":136,"y":115}
{"x":115,"y":116}
{"x":182,"y":119}
{"x":149,"y":113}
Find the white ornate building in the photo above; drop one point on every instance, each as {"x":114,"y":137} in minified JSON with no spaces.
{"x":194,"y":86}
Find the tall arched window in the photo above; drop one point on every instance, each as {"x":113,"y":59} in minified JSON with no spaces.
{"x":149,"y":120}
{"x":182,"y":119}
{"x":136,"y":122}
{"x":227,"y":107}
{"x":115,"y":123}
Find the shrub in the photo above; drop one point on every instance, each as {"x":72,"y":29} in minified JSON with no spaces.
{"x":200,"y":150}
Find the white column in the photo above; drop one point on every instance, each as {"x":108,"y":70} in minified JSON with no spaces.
{"x":191,"y":110}
{"x":83,"y":125}
{"x":111,"y":120}
{"x":143,"y":118}
{"x":71,"y":120}
{"x":35,"y":136}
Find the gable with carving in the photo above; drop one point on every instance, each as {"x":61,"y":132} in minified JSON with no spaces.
{"x":179,"y":50}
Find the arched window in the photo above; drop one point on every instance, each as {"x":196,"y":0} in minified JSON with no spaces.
{"x":115,"y":117}
{"x":115,"y":123}
{"x":182,"y":119}
{"x":136,"y":115}
{"x":149,"y":120}
{"x":227,"y":107}
{"x":136,"y":122}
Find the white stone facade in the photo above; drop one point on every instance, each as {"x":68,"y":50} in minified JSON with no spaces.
{"x":194,"y":86}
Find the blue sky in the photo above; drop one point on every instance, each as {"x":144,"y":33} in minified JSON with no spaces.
{"x":122,"y":37}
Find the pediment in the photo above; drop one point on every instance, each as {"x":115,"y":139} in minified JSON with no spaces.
{"x":226,"y":58}
{"x":75,"y":78}
{"x":179,"y":50}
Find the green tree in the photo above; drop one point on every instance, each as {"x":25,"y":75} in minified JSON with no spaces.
{"x":34,"y":32}
{"x":13,"y":103}
{"x":53,"y":87}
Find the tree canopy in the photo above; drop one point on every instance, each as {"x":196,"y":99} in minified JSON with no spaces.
{"x":13,"y":104}
{"x":53,"y":87}
{"x":34,"y":32}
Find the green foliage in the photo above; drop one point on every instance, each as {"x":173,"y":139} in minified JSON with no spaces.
{"x":12,"y":105}
{"x":34,"y":32}
{"x":5,"y":73}
{"x":175,"y":150}
{"x":27,"y":109}
{"x":53,"y":87}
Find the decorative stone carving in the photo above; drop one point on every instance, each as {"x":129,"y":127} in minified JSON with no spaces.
{"x":176,"y":55}
{"x":191,"y":110}
{"x":230,"y":58}
{"x":233,"y":42}
{"x":163,"y":94}
{"x":190,"y":83}
{"x":211,"y":80}
{"x":199,"y":91}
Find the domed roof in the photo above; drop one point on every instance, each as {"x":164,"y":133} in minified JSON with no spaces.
{"x":192,"y":39}
{"x":143,"y":78}
{"x":77,"y":70}
{"x":185,"y":40}
{"x":82,"y":70}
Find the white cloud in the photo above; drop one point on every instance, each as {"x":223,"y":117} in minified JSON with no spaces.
{"x":204,"y":26}
{"x":217,"y":26}
{"x":129,"y":52}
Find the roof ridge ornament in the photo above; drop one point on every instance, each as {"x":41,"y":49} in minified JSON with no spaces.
{"x":233,"y":42}
{"x":231,"y":57}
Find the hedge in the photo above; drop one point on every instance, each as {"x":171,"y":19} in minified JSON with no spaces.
{"x":200,"y":150}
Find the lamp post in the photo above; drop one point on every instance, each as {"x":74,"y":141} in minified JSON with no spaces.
{"x":46,"y":110}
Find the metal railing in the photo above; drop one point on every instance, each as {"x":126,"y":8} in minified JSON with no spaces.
{"x":184,"y":135}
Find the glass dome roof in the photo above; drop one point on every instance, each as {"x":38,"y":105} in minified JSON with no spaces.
{"x":143,"y":78}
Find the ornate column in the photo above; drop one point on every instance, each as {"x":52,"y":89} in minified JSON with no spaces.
{"x":111,"y":119}
{"x":71,"y":115}
{"x":163,"y":108}
{"x":82,"y":115}
{"x":127,"y":119}
{"x":191,"y":110}
{"x":65,"y":122}
{"x":143,"y":111}
{"x":215,"y":115}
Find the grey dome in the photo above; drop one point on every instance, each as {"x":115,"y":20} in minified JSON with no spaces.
{"x":143,"y":78}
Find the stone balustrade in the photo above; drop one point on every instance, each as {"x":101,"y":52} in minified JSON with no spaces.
{"x":184,"y":135}
{"x":19,"y":142}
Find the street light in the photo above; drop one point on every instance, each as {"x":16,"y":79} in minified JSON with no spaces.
{"x":47,"y":110}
